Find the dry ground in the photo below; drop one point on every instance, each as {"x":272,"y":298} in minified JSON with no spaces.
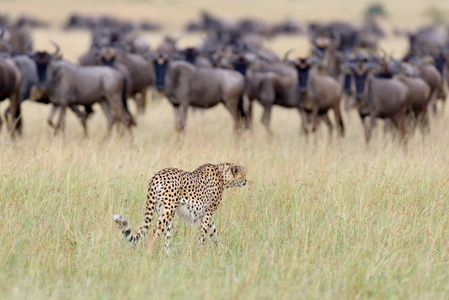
{"x":319,"y":220}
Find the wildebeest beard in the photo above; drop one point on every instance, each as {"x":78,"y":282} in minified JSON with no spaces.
{"x":241,"y":66}
{"x":108,"y":62}
{"x":360,"y":80}
{"x":303,"y":74}
{"x":439,"y":62}
{"x":42,"y":59}
{"x":160,"y":69}
{"x":347,"y":83}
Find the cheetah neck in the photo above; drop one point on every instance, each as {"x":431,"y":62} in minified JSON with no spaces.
{"x":224,"y":169}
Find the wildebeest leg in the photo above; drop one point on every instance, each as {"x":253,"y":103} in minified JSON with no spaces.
{"x":138,"y":100}
{"x":423,"y":122}
{"x":61,"y":119}
{"x":180,"y":116}
{"x":303,"y":115}
{"x":177,"y":117}
{"x":369,"y":128}
{"x":120,"y":111}
{"x":314,"y":117}
{"x":348,"y":101}
{"x":328,"y":122}
{"x":441,"y":94}
{"x":109,"y":117}
{"x":432,"y":106}
{"x":143,"y":100}
{"x":266,"y":118}
{"x":339,"y":120}
{"x":399,"y":120}
{"x":387,"y":127}
{"x":15,"y":122}
{"x":232,"y":106}
{"x":366,"y":126}
{"x":82,"y":117}
{"x":184,"y":108}
{"x":249,"y":113}
{"x":52,"y":113}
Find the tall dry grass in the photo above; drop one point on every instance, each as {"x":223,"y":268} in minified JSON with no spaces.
{"x":322,"y":220}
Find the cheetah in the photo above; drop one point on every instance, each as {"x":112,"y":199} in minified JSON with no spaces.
{"x":192,"y":196}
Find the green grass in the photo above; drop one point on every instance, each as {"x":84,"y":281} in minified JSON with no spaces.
{"x":328,"y":221}
{"x":318,"y":220}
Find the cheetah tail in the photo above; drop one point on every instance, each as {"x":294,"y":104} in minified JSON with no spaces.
{"x":132,"y":239}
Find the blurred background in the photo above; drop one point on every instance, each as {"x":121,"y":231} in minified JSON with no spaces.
{"x":173,"y":17}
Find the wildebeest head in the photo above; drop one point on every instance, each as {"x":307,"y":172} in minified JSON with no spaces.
{"x":160,"y":62}
{"x":240,"y":64}
{"x":42,"y":59}
{"x":6,"y":50}
{"x":189,"y":54}
{"x":360,"y":72}
{"x":302,"y":67}
{"x":439,"y":61}
{"x":320,"y":45}
{"x":108,"y":56}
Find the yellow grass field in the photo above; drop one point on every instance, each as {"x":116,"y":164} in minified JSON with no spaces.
{"x":319,"y":220}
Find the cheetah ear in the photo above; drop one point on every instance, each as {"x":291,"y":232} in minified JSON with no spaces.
{"x":234,"y":170}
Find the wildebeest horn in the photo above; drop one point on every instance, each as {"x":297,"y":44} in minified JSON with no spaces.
{"x":313,"y":60}
{"x":150,"y":55}
{"x":376,"y":57}
{"x":288,"y":53}
{"x":56,"y":50}
{"x":396,"y":64}
{"x":351,"y":65}
{"x":384,"y":53}
{"x":317,"y":51}
{"x":337,"y":39}
{"x":29,"y":46}
{"x":176,"y":40}
{"x":8,"y":46}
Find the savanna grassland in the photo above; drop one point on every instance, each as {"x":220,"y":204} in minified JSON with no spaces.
{"x":319,"y":220}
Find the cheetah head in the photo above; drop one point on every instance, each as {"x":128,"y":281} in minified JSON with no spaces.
{"x":233,"y":175}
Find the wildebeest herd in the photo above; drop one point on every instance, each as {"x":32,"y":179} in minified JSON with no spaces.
{"x":345,"y":67}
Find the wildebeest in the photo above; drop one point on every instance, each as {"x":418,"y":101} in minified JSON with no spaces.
{"x":350,"y":35}
{"x":193,"y":56}
{"x":426,"y":39}
{"x":18,"y":37}
{"x":429,"y":73}
{"x":68,"y":85}
{"x":139,"y":73}
{"x":418,"y":98}
{"x":329,"y":57}
{"x":270,"y":83}
{"x":10,"y":80}
{"x":186,"y":85}
{"x":318,"y":93}
{"x":379,"y":98}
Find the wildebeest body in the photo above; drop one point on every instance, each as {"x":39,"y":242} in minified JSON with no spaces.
{"x":187,"y":85}
{"x":10,"y":81}
{"x":69,"y":85}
